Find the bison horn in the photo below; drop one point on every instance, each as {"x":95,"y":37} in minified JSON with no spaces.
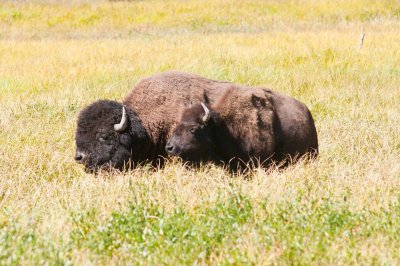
{"x":122,"y":125}
{"x":206,"y":116}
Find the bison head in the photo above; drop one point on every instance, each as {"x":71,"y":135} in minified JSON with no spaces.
{"x":106,"y":134}
{"x":192,"y":139}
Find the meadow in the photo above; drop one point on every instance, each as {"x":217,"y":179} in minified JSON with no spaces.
{"x":343,"y":208}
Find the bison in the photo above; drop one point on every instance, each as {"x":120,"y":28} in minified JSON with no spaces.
{"x":113,"y":134}
{"x":247,"y":126}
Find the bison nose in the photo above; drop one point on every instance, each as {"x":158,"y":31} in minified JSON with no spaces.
{"x":79,"y":157}
{"x":169,"y":148}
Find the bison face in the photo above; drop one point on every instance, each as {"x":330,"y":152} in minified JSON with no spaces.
{"x":192,"y":139}
{"x":105,"y":136}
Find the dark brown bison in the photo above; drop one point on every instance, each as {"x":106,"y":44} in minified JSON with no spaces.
{"x":110,"y":134}
{"x":247,"y":125}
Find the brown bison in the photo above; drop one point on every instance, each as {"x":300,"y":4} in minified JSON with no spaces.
{"x":110,"y":134}
{"x":247,"y":125}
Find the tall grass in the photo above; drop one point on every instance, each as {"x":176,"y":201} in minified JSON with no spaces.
{"x":56,"y":57}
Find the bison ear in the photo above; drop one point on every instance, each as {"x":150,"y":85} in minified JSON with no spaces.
{"x":257,"y":101}
{"x":215,"y":117}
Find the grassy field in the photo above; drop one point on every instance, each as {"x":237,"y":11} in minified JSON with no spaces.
{"x":344,"y":208}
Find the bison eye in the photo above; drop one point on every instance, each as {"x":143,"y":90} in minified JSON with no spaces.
{"x":104,"y":138}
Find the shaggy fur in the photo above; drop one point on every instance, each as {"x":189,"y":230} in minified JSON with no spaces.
{"x":154,"y":107}
{"x":247,"y":125}
{"x":99,"y":145}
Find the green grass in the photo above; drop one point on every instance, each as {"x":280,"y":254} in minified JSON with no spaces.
{"x":302,"y":231}
{"x":57,"y":57}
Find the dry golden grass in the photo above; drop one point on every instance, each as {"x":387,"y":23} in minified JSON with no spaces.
{"x":56,"y":58}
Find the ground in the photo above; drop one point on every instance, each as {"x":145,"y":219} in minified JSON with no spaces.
{"x":58,"y":56}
